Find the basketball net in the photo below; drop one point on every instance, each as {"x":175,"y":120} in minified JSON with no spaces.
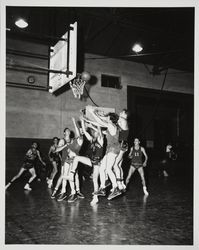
{"x":77,"y":85}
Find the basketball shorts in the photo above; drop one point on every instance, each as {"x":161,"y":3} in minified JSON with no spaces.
{"x":136,"y":165}
{"x":96,"y":160}
{"x":28,"y":165}
{"x":66,"y":168}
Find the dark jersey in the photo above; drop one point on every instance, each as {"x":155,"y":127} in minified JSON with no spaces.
{"x":123,"y":135}
{"x":31,"y":155}
{"x":113,"y":144}
{"x":123,"y":139}
{"x":74,"y":146}
{"x":54,"y":155}
{"x":169,"y":156}
{"x":96,"y":152}
{"x":30,"y":159}
{"x":136,"y":156}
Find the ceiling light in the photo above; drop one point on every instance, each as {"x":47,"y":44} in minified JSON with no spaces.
{"x":21,"y":23}
{"x":137,"y":48}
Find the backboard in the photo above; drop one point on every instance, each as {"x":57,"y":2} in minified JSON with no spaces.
{"x":63,"y":60}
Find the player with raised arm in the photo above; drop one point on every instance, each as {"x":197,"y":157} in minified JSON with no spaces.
{"x":70,"y":147}
{"x":112,"y":150}
{"x":123,"y":139}
{"x":55,"y":159}
{"x":96,"y":148}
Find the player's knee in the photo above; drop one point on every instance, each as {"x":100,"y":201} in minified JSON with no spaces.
{"x":142,"y":176}
{"x":128,"y":177}
{"x":115,"y":167}
{"x":109,"y":170}
{"x":76,"y":159}
{"x":95,"y":179}
{"x":102,"y":168}
{"x":55,"y":168}
{"x":34,"y":176}
{"x":95,"y":176}
{"x":62,"y":176}
{"x":18,"y":175}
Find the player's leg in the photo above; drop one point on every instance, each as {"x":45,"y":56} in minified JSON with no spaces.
{"x":59,"y":182}
{"x":73,"y":195}
{"x":118,"y":170}
{"x":95,"y":184}
{"x":95,"y":177}
{"x":164,"y":167}
{"x":82,"y":159}
{"x":111,"y":158}
{"x":16,"y":177}
{"x":130,"y":173}
{"x":141,"y":172}
{"x":122,"y":175}
{"x":33,"y":176}
{"x":77,"y":186}
{"x":102,"y":173}
{"x":62,"y":195}
{"x":53,"y":173}
{"x":65,"y":174}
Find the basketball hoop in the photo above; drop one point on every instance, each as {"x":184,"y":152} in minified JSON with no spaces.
{"x":77,"y":85}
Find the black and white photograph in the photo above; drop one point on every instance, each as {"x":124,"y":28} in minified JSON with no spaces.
{"x":99,"y":145}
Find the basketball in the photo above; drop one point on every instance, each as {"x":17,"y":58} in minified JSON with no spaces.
{"x":85,"y":76}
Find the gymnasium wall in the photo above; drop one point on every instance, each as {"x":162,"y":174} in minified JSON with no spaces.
{"x":35,"y":113}
{"x":136,"y":74}
{"x":32,"y":113}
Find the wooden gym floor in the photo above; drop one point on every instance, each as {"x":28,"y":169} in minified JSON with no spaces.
{"x":165,"y":217}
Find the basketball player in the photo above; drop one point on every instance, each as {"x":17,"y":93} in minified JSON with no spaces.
{"x":29,"y":165}
{"x":135,"y":154}
{"x":112,"y":150}
{"x":55,"y":159}
{"x":169,"y":156}
{"x":62,"y":147}
{"x":70,"y":147}
{"x":96,"y":148}
{"x":123,"y":139}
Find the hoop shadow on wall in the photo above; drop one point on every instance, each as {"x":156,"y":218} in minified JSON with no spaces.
{"x":86,"y":93}
{"x":62,"y":90}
